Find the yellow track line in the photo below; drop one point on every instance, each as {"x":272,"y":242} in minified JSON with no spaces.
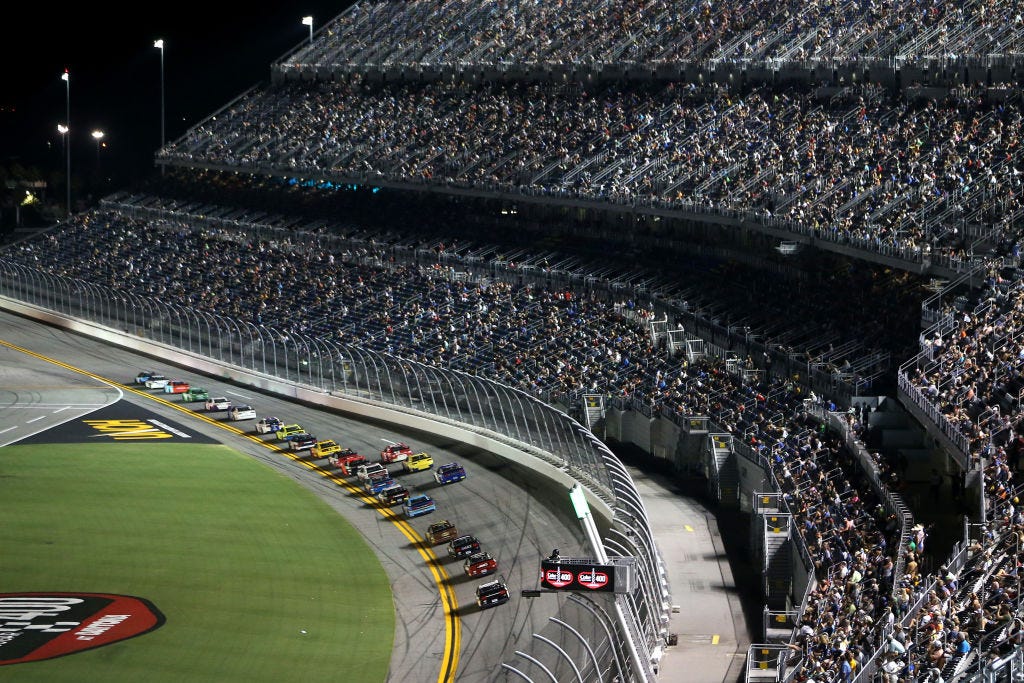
{"x":453,"y":625}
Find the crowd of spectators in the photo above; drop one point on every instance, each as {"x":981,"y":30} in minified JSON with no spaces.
{"x":970,"y":367}
{"x":653,"y":32}
{"x":915,"y":177}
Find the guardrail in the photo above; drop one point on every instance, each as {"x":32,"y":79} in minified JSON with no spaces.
{"x":508,"y":415}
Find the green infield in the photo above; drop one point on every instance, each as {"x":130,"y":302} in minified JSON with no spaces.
{"x":257,"y":578}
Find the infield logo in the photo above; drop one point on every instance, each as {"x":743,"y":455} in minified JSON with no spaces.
{"x":37,"y":626}
{"x":129,"y":430}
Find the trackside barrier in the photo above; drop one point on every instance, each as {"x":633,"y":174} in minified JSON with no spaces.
{"x":367,"y":384}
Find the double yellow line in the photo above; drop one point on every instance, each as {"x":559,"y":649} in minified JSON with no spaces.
{"x":453,"y":625}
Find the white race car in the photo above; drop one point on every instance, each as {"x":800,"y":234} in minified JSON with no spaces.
{"x":218,"y":403}
{"x":268,"y":425}
{"x":242,"y":413}
{"x":157,"y":382}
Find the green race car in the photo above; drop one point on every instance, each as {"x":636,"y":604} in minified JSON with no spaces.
{"x":195,"y":394}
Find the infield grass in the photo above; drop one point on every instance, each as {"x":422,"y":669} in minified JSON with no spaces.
{"x":239,"y":558}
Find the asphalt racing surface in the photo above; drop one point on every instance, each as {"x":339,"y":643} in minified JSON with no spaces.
{"x":517,"y":518}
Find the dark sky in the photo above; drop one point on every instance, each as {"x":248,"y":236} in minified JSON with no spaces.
{"x":213,"y":52}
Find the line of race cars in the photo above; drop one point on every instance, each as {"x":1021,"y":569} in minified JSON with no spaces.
{"x":374,"y":477}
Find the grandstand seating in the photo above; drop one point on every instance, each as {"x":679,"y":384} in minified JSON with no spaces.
{"x":925,"y":174}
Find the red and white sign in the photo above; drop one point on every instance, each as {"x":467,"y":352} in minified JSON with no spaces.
{"x":593,"y":579}
{"x":557,"y":578}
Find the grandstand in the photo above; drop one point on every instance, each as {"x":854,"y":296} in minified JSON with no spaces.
{"x":790,"y":232}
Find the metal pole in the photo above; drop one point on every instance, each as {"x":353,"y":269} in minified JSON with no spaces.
{"x":159,"y":44}
{"x":67,"y":124}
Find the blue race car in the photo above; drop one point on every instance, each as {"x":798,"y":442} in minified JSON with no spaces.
{"x":452,"y":472}
{"x":375,"y":486}
{"x":419,"y":505}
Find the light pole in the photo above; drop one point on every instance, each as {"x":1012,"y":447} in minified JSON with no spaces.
{"x":97,"y":135}
{"x":66,"y":77}
{"x":159,"y":44}
{"x":308,"y":21}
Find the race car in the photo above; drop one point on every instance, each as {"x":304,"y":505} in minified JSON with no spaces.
{"x":300,"y":442}
{"x":442,"y":531}
{"x":242,"y":413}
{"x":375,"y":485}
{"x":417,"y":462}
{"x":193,"y":394}
{"x":156,"y":382}
{"x":480,"y":564}
{"x":367,"y":470}
{"x":396,"y":452}
{"x":284,"y":431}
{"x":463,"y":546}
{"x":451,"y":472}
{"x":349,"y":461}
{"x":217,"y":403}
{"x":143,"y":376}
{"x":491,"y":593}
{"x":325,"y":449}
{"x":393,"y":495}
{"x":419,"y":505}
{"x":177,"y":386}
{"x":269,"y":425}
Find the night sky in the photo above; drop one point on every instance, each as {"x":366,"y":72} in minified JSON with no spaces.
{"x":213,"y":52}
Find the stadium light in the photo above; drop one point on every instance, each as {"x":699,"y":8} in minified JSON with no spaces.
{"x":66,"y":77}
{"x":159,"y":44}
{"x":97,"y":135}
{"x":308,"y":21}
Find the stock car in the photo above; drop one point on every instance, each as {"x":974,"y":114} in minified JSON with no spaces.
{"x":449,"y":473}
{"x":193,"y":394}
{"x":370,"y":469}
{"x":376,"y":484}
{"x":417,"y":462}
{"x":217,"y":403}
{"x":419,"y":505}
{"x":300,"y":442}
{"x":284,"y":431}
{"x":242,"y":413}
{"x":396,"y":452}
{"x":439,"y":532}
{"x":463,"y":546}
{"x":393,"y":495}
{"x":480,"y":564}
{"x":269,"y":425}
{"x":492,"y":593}
{"x":156,"y":382}
{"x":349,"y":461}
{"x":178,"y":386}
{"x":143,"y":376}
{"x":325,"y":449}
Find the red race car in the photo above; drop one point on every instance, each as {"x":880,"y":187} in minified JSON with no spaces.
{"x":348,"y":460}
{"x":396,"y":452}
{"x":480,"y":564}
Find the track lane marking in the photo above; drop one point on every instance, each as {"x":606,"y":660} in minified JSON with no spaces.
{"x":35,"y":419}
{"x":453,"y":624}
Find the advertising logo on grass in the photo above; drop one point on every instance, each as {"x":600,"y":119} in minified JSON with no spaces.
{"x":36,"y":626}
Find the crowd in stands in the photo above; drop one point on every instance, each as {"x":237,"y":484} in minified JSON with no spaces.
{"x":971,"y":365}
{"x":652,"y":32}
{"x":914,"y":177}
